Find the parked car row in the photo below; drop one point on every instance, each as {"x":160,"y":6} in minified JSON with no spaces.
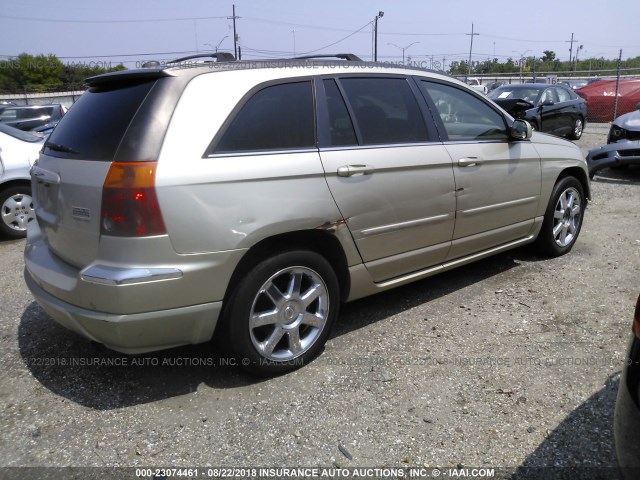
{"x":41,"y":118}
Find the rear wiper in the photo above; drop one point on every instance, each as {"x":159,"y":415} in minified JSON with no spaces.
{"x":60,"y":148}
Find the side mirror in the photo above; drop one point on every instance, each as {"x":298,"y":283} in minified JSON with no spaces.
{"x":520,"y":130}
{"x":547,"y":103}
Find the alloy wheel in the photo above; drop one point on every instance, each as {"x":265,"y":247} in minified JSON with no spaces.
{"x":289,"y":313}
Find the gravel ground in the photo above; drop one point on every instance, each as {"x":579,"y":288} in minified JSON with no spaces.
{"x":510,"y":362}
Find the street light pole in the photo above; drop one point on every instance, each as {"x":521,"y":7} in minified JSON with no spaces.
{"x":575,"y":67}
{"x":219,"y":43}
{"x":375,"y":35}
{"x":402,"y":48}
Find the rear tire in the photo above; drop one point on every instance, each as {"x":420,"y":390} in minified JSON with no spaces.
{"x":280,"y":314}
{"x":16,"y":211}
{"x":563,"y":218}
{"x":578,"y":127}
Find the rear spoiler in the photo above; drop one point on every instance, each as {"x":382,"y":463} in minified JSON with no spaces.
{"x":127,"y":75}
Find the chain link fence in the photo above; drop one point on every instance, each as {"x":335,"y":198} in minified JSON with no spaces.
{"x":65,"y":95}
{"x":609,"y":93}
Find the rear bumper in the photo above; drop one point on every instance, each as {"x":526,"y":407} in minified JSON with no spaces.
{"x":139,"y":295}
{"x":133,"y":333}
{"x":613,"y":154}
{"x":627,"y":414}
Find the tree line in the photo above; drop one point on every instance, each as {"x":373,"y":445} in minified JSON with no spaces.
{"x":547,"y":63}
{"x":45,"y":73}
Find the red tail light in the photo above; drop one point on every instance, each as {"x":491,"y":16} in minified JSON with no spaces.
{"x":636,"y":319}
{"x":129,"y":203}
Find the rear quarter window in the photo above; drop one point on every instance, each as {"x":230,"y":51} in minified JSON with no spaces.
{"x":278,"y":117}
{"x":95,"y":125}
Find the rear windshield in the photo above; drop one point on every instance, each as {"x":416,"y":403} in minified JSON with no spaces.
{"x":508,"y":93}
{"x":94,"y":126}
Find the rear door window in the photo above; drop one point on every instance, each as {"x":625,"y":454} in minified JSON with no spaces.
{"x":563,"y":95}
{"x":386,"y":110}
{"x":340,"y":125}
{"x":278,"y":117}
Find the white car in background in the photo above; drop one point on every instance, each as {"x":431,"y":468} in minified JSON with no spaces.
{"x":476,"y":84}
{"x":18,"y":151}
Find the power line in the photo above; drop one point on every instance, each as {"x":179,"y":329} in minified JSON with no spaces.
{"x":60,"y":20}
{"x":112,"y":56}
{"x":341,"y":40}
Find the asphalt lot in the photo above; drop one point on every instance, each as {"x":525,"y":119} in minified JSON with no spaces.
{"x":509,"y":363}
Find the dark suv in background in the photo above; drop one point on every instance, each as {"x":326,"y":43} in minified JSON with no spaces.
{"x":28,"y":117}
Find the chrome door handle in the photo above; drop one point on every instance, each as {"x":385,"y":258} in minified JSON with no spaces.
{"x":351,"y":170}
{"x":469,"y":162}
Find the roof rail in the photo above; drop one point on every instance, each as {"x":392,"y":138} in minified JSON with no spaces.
{"x":219,"y":56}
{"x":350,"y":57}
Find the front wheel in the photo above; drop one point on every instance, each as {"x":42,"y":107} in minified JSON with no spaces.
{"x":563,"y":218}
{"x":16,"y":210}
{"x":280,"y":314}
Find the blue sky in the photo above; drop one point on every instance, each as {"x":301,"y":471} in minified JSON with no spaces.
{"x":166,"y":29}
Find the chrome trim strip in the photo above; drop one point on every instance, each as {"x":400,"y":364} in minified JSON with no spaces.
{"x":257,"y":153}
{"x":378,"y":146}
{"x":452,"y":264}
{"x":403,"y":225}
{"x":498,"y":206}
{"x":105,"y":275}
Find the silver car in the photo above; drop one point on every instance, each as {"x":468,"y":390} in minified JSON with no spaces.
{"x":18,"y":151}
{"x":251,"y":199}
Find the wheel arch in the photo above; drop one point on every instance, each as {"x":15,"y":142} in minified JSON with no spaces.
{"x":580,"y":175}
{"x":17,"y":182}
{"x":319,"y":241}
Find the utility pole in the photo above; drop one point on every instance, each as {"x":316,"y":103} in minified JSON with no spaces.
{"x":235,"y":35}
{"x":375,"y":35}
{"x":470,"y":50}
{"x":571,"y":48}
